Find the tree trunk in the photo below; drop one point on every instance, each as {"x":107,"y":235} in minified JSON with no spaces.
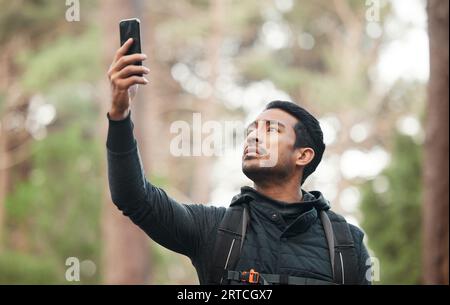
{"x":126,"y":257}
{"x":201,"y":187}
{"x":436,"y":162}
{"x":12,"y":94}
{"x":4,"y":160}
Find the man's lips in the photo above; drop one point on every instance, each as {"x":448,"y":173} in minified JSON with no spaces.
{"x":253,"y":151}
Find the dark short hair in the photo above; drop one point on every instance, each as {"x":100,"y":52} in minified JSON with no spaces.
{"x":307,"y":131}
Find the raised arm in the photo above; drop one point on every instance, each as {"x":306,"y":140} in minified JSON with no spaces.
{"x":180,"y":227}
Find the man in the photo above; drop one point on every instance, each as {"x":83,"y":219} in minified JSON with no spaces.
{"x":282,"y":235}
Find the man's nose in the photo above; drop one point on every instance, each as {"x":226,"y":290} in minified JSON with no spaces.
{"x":252,"y":137}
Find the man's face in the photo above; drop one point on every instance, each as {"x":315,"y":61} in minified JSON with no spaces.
{"x":269,"y":147}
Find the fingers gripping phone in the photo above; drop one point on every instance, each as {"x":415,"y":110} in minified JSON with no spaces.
{"x":130,"y":28}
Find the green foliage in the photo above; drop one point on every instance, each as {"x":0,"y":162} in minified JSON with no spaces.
{"x":259,"y":66}
{"x":55,"y":213}
{"x":60,"y":203}
{"x":19,"y":268}
{"x":69,"y":59}
{"x":392,"y":219}
{"x":31,"y":17}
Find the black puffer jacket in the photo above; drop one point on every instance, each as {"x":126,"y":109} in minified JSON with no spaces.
{"x":273,"y":244}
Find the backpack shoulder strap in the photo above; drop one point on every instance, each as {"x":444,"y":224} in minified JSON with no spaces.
{"x":230,"y":238}
{"x":344,"y":260}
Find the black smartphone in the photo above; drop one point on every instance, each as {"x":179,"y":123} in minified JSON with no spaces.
{"x":130,"y":28}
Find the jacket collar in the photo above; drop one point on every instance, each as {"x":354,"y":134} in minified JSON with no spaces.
{"x":269,"y":208}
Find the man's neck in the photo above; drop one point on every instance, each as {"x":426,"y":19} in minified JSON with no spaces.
{"x":288,"y":192}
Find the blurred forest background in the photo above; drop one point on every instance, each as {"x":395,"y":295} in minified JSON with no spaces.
{"x":362,"y":67}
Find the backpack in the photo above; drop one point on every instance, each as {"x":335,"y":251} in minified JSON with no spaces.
{"x":230,"y":238}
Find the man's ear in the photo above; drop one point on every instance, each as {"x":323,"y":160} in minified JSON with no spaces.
{"x":304,"y":156}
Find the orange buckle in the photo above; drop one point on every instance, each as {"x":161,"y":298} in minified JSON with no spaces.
{"x":253,"y":276}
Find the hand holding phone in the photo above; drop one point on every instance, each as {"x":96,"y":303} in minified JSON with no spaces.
{"x":126,"y":71}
